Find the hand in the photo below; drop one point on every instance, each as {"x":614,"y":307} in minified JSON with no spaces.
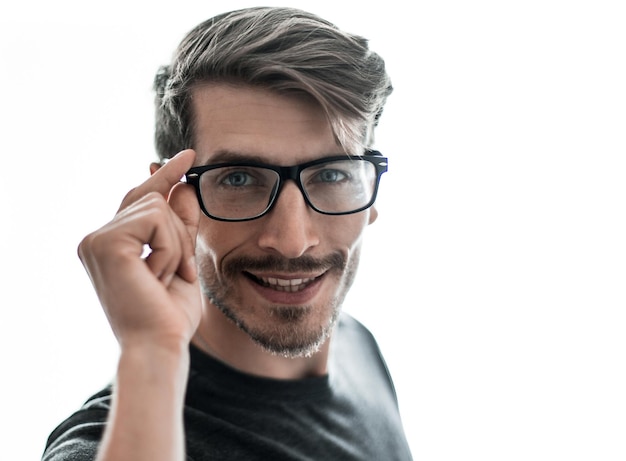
{"x":156,"y":299}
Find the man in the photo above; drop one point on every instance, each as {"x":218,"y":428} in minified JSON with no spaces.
{"x":225,"y":322}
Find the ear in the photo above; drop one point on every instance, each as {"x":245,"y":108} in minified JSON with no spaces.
{"x":373,"y":214}
{"x":154,"y":167}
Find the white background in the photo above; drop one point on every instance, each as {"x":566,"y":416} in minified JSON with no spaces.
{"x":494,"y":278}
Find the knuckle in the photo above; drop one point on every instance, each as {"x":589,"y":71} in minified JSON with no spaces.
{"x":128,"y":200}
{"x":93,"y":245}
{"x":153,"y":202}
{"x":83,"y":247}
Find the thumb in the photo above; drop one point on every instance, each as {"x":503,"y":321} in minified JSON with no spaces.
{"x":184,"y":204}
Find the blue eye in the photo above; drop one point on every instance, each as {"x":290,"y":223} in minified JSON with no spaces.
{"x":237,"y":179}
{"x":331,"y":176}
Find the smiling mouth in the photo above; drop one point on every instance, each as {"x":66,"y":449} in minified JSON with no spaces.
{"x":287,"y":285}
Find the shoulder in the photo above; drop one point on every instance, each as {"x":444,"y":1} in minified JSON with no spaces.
{"x":78,"y":436}
{"x":350,"y":331}
{"x":358,"y":371}
{"x":356,"y":352}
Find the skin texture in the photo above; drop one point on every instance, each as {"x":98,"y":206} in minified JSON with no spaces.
{"x":154,"y":308}
{"x":198,"y":284}
{"x":291,"y":242}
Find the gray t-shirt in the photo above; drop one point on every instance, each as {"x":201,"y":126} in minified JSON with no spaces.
{"x":349,"y":414}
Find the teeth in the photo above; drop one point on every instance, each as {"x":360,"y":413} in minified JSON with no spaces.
{"x":291,"y":285}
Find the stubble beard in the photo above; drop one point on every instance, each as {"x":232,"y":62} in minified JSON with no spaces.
{"x":289,"y":334}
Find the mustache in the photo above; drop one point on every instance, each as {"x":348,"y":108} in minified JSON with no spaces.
{"x":272,"y":263}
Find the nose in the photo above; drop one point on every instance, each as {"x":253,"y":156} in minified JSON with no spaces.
{"x":288,"y":229}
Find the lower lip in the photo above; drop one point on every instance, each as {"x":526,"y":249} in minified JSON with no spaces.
{"x":288,"y":298}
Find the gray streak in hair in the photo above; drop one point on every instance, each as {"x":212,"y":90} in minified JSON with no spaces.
{"x":281,"y":49}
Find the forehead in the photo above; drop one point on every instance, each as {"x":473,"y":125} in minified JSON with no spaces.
{"x":282,"y":129}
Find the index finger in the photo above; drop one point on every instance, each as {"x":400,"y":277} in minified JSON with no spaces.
{"x":166,"y":177}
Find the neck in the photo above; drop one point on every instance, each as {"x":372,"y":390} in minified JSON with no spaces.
{"x":220,"y":338}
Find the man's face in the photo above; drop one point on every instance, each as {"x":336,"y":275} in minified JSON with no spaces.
{"x":281,"y":278}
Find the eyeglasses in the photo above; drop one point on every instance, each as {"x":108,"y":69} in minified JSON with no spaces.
{"x":242,"y":191}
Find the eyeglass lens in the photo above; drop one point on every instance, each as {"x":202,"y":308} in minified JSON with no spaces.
{"x":239,"y":192}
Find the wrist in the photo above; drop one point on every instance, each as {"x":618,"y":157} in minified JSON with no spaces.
{"x":145,"y":422}
{"x":163,"y":365}
{"x":152,"y":344}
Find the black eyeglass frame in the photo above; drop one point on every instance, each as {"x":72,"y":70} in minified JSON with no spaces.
{"x":192,"y":177}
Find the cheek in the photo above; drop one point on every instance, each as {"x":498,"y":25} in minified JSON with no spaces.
{"x":346,"y":231}
{"x":217,"y":239}
{"x":208,"y":251}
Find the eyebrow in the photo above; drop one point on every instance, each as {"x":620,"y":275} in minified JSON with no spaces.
{"x":228,"y":156}
{"x":232,"y":156}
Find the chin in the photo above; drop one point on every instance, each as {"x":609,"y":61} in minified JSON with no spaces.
{"x":291,"y":331}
